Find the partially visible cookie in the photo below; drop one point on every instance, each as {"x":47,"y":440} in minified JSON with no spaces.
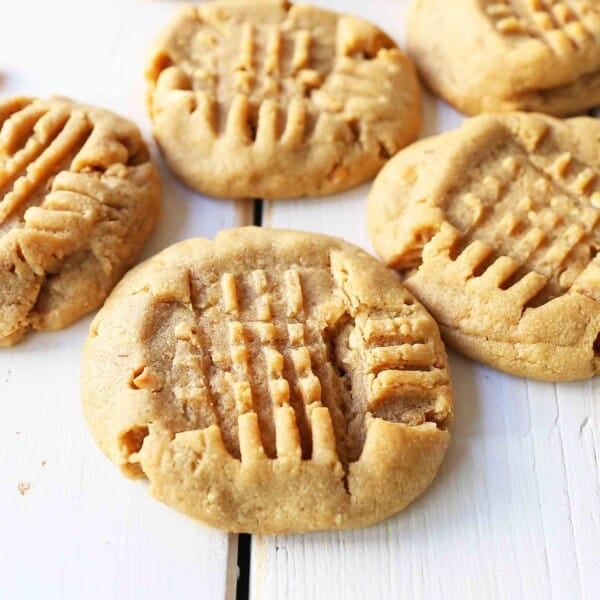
{"x":269,"y":382}
{"x":502,"y":55}
{"x":495,"y":227}
{"x":273,"y":100}
{"x":78,"y":198}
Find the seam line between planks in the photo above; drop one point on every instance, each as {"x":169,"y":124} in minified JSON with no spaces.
{"x":244,"y":547}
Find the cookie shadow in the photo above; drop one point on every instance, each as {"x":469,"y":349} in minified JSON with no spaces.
{"x":438,"y":116}
{"x":466,"y":384}
{"x":174,"y":210}
{"x":431,"y":116}
{"x":444,"y":501}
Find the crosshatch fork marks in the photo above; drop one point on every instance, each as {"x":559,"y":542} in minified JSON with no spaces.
{"x":278,"y":63}
{"x":73,"y":180}
{"x":501,"y":244}
{"x":265,"y":357}
{"x":564,"y":26}
{"x":272,"y":61}
{"x":256,"y":342}
{"x":11,"y":106}
{"x":549,"y":229}
{"x":40,"y":139}
{"x":55,"y":140}
{"x":322,"y":97}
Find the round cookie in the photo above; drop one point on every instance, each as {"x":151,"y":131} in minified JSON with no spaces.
{"x":269,"y":382}
{"x":501,"y":55}
{"x":495,"y":227}
{"x":78,"y":198}
{"x":272,"y":100}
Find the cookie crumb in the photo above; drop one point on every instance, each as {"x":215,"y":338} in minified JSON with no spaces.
{"x":23,"y":487}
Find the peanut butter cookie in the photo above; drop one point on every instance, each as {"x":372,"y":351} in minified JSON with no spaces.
{"x":269,"y":382}
{"x":495,"y":227}
{"x":78,"y":198}
{"x":273,"y":100}
{"x":503,"y":55}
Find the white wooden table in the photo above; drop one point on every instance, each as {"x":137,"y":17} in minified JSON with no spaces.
{"x":514,"y":512}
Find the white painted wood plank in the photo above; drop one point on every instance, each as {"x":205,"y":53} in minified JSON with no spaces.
{"x":81,"y":530}
{"x":514,"y":511}
{"x":578,"y":422}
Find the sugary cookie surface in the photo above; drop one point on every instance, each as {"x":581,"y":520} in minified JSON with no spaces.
{"x":269,"y":381}
{"x":492,"y":55}
{"x":274,"y":100}
{"x":495,"y":227}
{"x":78,"y":197}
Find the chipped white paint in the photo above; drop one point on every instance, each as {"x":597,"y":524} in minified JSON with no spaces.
{"x":514,"y":512}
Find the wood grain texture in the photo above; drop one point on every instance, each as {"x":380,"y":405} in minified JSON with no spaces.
{"x":515,"y":509}
{"x":71,"y":526}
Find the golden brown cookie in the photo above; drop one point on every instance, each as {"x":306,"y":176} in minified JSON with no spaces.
{"x":269,"y":382}
{"x":78,"y":198}
{"x":273,"y":100}
{"x":503,"y":55}
{"x":495,"y":227}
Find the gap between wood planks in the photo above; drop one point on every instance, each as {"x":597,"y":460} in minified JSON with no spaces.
{"x":244,"y":541}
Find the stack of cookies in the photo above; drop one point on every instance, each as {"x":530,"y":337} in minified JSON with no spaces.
{"x":274,"y":381}
{"x":494,"y":226}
